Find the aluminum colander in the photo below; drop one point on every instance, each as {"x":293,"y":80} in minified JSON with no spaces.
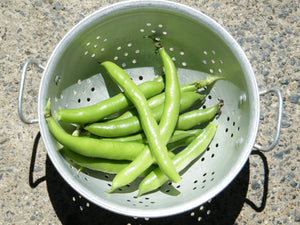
{"x":199,"y":47}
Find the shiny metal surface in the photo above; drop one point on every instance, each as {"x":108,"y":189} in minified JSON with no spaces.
{"x":21,"y":90}
{"x":199,"y":47}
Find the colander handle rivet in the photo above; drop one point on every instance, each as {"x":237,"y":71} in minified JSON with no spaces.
{"x":242,"y":99}
{"x":279,"y":118}
{"x":21,"y":90}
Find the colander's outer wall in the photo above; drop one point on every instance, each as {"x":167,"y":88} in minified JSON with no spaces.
{"x":75,"y":58}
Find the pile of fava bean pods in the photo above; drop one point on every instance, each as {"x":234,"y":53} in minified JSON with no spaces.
{"x":149,"y":130}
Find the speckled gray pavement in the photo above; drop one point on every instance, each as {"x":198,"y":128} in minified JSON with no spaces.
{"x":268,"y":31}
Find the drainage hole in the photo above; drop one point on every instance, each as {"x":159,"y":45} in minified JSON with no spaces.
{"x":92,"y":89}
{"x":141,"y":77}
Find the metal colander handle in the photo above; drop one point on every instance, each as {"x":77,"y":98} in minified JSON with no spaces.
{"x":21,"y":90}
{"x":279,"y":118}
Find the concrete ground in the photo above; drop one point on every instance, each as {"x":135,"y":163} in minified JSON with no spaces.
{"x":265,"y":192}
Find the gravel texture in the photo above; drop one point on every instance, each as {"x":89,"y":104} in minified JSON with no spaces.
{"x":268,"y":31}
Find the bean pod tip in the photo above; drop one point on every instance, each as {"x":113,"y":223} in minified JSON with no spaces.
{"x":47,"y":111}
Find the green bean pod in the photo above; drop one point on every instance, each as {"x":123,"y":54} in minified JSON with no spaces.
{"x":149,"y":124}
{"x":183,"y":141}
{"x":156,"y":178}
{"x":144,"y":161}
{"x":90,"y":146}
{"x":160,"y":98}
{"x":167,"y":123}
{"x":99,"y":164}
{"x":172,"y":92}
{"x":140,"y":137}
{"x":107,"y":107}
{"x":125,"y":127}
{"x":194,"y":118}
{"x":153,"y":102}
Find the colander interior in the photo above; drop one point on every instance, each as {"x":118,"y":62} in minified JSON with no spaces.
{"x":199,"y":47}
